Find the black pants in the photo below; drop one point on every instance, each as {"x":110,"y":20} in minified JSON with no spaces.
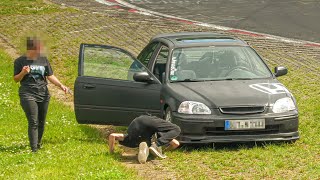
{"x":144,"y":127}
{"x":36,"y":114}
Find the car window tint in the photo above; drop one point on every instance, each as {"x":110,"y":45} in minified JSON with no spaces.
{"x":161,"y":61}
{"x":146,"y":54}
{"x":109,"y":63}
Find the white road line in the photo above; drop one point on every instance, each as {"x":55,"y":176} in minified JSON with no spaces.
{"x":223,"y":28}
{"x":108,"y":3}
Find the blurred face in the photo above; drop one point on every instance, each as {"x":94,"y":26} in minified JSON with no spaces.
{"x":36,"y":50}
{"x":32,"y":52}
{"x":39,"y":47}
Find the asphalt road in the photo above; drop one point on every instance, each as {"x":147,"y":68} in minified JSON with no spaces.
{"x":298,"y":19}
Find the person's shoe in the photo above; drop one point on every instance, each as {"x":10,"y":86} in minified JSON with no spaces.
{"x":34,"y":150}
{"x":156,"y":151}
{"x":39,"y":146}
{"x":143,"y":152}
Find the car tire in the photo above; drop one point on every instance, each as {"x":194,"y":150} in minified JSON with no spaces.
{"x":168,"y":115}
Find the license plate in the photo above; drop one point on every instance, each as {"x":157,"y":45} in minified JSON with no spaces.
{"x":244,"y":124}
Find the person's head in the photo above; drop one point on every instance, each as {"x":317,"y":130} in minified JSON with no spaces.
{"x":34,"y":47}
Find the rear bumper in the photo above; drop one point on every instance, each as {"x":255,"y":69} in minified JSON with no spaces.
{"x":210,"y":129}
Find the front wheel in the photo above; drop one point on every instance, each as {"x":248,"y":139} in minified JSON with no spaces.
{"x":168,"y":115}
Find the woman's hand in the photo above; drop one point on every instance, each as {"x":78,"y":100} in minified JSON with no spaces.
{"x":56,"y":82}
{"x":64,"y":88}
{"x":25,"y":70}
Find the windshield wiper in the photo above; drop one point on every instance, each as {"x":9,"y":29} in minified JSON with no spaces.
{"x":231,"y":79}
{"x":214,"y":80}
{"x":187,"y":80}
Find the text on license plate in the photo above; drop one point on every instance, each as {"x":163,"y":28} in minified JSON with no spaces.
{"x":244,"y":124}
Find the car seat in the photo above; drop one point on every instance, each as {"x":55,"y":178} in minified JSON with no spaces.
{"x":182,"y":62}
{"x":159,"y":70}
{"x":227,"y":61}
{"x":205,"y":65}
{"x":206,"y":56}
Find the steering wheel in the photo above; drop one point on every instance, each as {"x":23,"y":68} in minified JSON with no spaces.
{"x":237,"y":67}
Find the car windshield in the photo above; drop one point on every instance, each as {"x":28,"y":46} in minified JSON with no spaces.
{"x":216,"y":63}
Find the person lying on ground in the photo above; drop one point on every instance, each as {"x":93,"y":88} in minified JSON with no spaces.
{"x":140,"y":133}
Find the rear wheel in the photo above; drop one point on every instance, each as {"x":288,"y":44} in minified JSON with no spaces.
{"x":168,"y":115}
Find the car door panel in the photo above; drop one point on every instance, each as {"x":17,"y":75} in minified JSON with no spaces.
{"x":103,"y":100}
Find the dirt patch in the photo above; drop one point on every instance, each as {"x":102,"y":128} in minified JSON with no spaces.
{"x":153,"y":169}
{"x":9,"y":48}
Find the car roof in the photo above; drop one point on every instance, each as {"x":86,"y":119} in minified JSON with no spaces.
{"x":194,"y":39}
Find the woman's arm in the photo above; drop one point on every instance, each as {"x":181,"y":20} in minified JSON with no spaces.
{"x":54,"y":80}
{"x":25,"y":70}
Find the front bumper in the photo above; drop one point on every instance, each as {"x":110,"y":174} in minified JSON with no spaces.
{"x":210,"y":129}
{"x":189,"y":139}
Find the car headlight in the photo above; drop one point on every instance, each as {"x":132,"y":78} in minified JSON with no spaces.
{"x":192,"y":107}
{"x":283,"y":105}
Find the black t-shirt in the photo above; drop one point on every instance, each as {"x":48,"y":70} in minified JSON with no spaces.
{"x":34,"y":85}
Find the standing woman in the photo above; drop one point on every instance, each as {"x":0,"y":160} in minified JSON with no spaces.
{"x":32,"y":71}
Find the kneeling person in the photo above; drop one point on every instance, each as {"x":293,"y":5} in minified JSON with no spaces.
{"x":140,"y":132}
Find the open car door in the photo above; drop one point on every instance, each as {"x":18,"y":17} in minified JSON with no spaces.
{"x":105,"y":91}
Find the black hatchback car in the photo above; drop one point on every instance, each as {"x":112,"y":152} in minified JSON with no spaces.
{"x":215,"y":87}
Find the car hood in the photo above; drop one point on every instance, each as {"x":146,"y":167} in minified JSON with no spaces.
{"x":231,"y":93}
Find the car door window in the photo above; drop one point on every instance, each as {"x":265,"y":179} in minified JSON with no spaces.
{"x":112,"y":63}
{"x":160,"y":63}
{"x":145,"y":56}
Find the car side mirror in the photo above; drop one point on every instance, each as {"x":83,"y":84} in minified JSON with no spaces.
{"x":142,"y":77}
{"x":280,"y":71}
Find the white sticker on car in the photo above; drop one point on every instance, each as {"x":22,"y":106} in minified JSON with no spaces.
{"x":270,"y":88}
{"x":173,"y":68}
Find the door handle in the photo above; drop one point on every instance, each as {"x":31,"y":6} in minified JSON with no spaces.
{"x":88,"y":86}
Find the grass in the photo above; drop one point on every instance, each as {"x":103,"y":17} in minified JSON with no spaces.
{"x":106,"y":63}
{"x":75,"y":151}
{"x":25,"y":7}
{"x":71,"y":151}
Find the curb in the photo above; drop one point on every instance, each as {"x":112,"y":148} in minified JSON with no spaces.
{"x":120,"y":4}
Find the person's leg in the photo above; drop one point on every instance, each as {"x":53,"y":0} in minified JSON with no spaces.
{"x":31,"y":110}
{"x":172,"y":145}
{"x":168,"y":137}
{"x":42,"y":113}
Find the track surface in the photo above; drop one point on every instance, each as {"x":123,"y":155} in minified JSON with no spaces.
{"x":296,"y":19}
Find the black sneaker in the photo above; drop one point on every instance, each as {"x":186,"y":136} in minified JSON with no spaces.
{"x":143,"y":152}
{"x":156,"y":151}
{"x":34,"y":150}
{"x":39,"y":146}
